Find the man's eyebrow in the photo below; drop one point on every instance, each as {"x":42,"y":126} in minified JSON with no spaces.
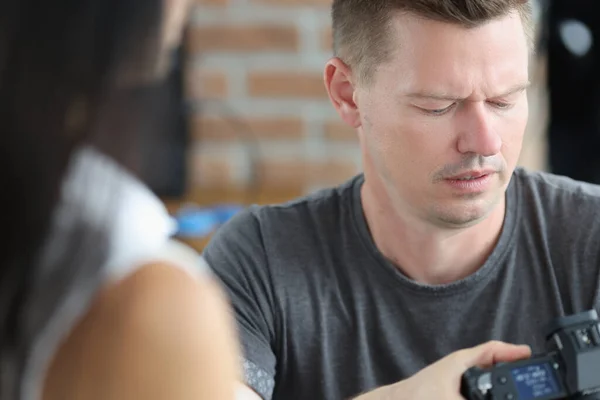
{"x":515,"y":89}
{"x":447,"y":97}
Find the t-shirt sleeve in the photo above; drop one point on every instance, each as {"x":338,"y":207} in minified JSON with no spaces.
{"x":236,"y":254}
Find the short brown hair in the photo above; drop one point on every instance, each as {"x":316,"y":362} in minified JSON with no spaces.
{"x":361,"y":27}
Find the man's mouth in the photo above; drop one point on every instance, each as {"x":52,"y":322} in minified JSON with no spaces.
{"x":470,"y":175}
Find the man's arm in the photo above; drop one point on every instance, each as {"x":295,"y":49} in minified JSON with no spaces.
{"x":237,"y":256}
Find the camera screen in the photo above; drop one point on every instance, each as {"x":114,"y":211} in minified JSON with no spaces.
{"x":535,"y":380}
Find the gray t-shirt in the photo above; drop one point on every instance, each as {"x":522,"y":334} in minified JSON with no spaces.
{"x":323,"y":315}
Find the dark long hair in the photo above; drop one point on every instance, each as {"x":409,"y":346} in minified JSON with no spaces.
{"x":61,"y":62}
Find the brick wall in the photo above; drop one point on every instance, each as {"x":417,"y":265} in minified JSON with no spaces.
{"x":255,"y":79}
{"x":261,"y":110}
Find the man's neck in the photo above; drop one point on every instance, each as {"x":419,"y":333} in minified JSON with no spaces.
{"x":423,"y":252}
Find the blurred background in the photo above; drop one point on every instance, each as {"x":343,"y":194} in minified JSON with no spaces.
{"x":245,"y":117}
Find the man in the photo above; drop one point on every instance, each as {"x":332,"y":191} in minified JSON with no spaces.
{"x":394,"y":283}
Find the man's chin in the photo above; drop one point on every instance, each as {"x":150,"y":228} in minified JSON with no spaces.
{"x":465,"y":213}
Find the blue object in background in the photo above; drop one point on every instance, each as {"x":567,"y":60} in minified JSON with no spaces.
{"x":226,"y":211}
{"x":193,"y":221}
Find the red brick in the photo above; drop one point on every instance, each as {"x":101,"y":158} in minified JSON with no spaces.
{"x":327,"y":39}
{"x":282,"y":174}
{"x":212,"y":2}
{"x":244,"y":38}
{"x":210,"y":171}
{"x":340,"y":131}
{"x":332,"y":172}
{"x":205,"y":84}
{"x":286,"y":84}
{"x":222,"y":129}
{"x":302,"y":173}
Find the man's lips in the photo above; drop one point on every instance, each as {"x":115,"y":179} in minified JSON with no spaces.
{"x":473,"y":174}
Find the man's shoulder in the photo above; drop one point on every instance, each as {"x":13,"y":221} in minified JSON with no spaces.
{"x":556,"y":215}
{"x":549,"y":187}
{"x":322,"y":204}
{"x":315,"y":212}
{"x":556,"y":203}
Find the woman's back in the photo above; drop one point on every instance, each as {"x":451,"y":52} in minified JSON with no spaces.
{"x":149,"y":322}
{"x":96,"y":301}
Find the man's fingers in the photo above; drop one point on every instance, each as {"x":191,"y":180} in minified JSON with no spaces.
{"x":493,"y":352}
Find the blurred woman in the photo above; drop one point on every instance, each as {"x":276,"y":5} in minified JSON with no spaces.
{"x":96,"y":300}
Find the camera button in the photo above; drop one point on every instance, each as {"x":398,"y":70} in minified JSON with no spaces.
{"x":502,"y":380}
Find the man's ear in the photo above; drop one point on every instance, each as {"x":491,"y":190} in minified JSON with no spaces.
{"x":341,"y":90}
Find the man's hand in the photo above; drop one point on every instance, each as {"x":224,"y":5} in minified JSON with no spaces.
{"x":441,"y":380}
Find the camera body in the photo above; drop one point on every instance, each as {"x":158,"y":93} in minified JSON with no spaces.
{"x":569,"y":370}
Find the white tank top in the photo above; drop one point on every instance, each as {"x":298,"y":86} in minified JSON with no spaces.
{"x":139,"y":230}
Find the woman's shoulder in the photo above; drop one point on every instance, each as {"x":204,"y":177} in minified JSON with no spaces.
{"x":150,"y":336}
{"x":149,"y":300}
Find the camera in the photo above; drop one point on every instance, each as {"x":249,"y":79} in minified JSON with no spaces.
{"x":569,"y":370}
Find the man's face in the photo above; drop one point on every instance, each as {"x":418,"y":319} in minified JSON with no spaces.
{"x":451,"y":101}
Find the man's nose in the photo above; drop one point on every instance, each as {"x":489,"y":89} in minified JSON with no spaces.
{"x":476,"y":133}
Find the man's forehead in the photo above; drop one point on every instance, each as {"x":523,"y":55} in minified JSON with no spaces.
{"x":455,"y":65}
